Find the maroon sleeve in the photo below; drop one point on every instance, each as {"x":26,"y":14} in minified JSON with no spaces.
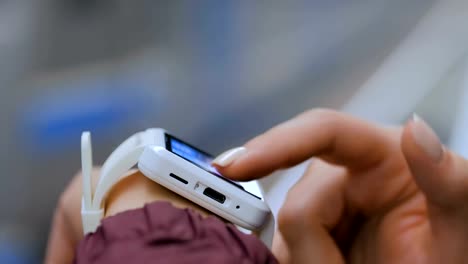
{"x":161,"y":233}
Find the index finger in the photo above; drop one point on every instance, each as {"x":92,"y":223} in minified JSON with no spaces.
{"x":337,"y":137}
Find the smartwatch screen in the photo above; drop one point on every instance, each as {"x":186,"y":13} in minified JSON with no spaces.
{"x":196,"y":157}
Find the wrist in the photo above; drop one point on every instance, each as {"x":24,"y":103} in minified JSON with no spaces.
{"x":136,"y":190}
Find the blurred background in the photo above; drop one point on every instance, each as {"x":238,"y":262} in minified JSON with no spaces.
{"x":215,"y":73}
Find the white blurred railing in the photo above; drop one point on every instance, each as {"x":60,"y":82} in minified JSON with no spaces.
{"x":459,"y":138}
{"x":416,"y":66}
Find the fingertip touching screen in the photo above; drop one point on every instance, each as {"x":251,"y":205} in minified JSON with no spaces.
{"x":197,"y":157}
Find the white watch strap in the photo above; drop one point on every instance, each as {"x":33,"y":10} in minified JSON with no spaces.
{"x":268,"y":231}
{"x":86,"y":168}
{"x":90,"y":218}
{"x":120,"y":152}
{"x":122,"y":159}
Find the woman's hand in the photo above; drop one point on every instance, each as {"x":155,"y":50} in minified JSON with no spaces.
{"x":374,"y":194}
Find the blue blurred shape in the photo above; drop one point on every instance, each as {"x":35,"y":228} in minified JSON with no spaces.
{"x":14,"y":254}
{"x":54,"y":121}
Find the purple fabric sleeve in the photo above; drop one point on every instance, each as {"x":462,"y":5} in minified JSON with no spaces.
{"x":161,"y":233}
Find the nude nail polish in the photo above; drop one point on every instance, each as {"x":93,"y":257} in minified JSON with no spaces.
{"x":229,"y":156}
{"x":426,"y":138}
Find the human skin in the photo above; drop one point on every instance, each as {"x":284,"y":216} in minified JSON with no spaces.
{"x":372,"y":195}
{"x":133,"y":191}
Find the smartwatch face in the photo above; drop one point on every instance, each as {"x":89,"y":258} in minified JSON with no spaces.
{"x":197,"y":157}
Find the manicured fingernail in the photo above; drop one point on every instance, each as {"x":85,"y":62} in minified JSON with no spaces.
{"x":426,"y":138}
{"x":229,"y":156}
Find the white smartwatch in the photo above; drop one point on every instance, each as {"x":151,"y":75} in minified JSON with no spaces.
{"x":178,"y":166}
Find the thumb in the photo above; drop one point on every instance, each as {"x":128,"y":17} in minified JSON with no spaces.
{"x":442,"y":177}
{"x":440,"y":174}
